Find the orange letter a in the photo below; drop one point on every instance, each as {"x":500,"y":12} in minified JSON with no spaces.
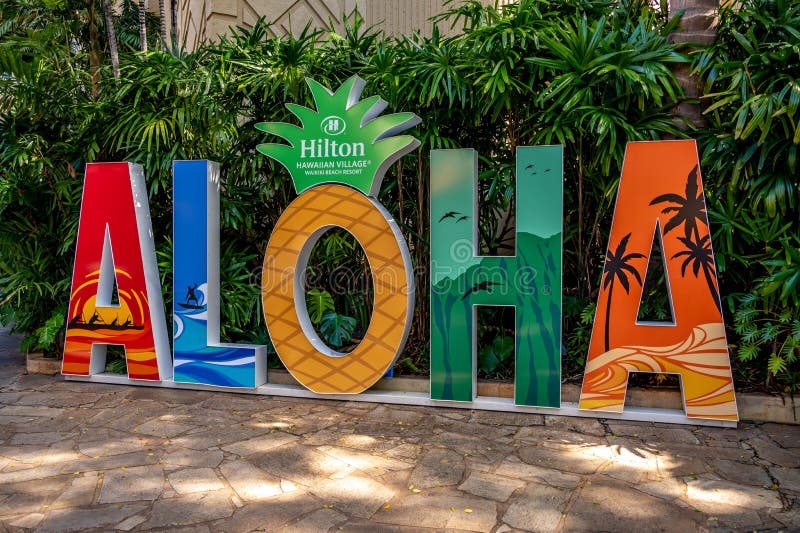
{"x":661,"y":189}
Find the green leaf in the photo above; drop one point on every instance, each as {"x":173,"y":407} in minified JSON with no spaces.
{"x":117,"y":366}
{"x":319,"y":303}
{"x":337,"y":329}
{"x":776,"y":364}
{"x":747,"y":352}
{"x":490,"y":357}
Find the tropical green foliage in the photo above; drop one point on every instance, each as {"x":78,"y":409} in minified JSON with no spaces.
{"x":769,"y":332}
{"x":750,"y":148}
{"x":335,"y":329}
{"x":589,"y":74}
{"x":318,"y":303}
{"x":495,"y":354}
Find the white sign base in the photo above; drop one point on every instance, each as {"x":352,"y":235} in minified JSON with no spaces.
{"x":483,"y":403}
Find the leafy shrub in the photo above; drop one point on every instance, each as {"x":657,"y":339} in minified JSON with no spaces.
{"x":751,"y":76}
{"x":336,"y":329}
{"x":768,"y":332}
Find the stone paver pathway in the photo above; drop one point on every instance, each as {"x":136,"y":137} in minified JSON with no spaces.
{"x":90,"y":457}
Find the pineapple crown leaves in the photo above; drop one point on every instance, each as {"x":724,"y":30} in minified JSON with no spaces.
{"x":343,"y":141}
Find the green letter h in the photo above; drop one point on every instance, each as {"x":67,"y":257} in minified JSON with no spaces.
{"x":530,"y":280}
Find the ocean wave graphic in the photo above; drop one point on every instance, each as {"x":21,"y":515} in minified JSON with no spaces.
{"x":215,"y":374}
{"x":242,"y":361}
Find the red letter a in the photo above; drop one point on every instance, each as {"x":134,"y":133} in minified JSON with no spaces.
{"x":115,"y":243}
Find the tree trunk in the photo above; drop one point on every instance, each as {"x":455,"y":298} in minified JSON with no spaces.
{"x":608,"y":315}
{"x":94,"y":55}
{"x":142,"y":27}
{"x":112,"y":38}
{"x":698,"y":26}
{"x":422,"y":194}
{"x":162,"y":23}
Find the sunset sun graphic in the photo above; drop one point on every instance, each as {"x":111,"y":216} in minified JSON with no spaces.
{"x":129,"y":320}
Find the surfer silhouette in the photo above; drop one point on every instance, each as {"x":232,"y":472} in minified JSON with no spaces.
{"x":191,"y":296}
{"x":192,"y":301}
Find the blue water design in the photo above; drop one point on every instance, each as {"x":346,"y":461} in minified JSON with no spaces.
{"x":196,"y":201}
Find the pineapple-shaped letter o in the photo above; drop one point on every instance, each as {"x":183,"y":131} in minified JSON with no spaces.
{"x":337,"y":160}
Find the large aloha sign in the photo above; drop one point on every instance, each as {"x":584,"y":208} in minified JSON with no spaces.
{"x":337,"y":158}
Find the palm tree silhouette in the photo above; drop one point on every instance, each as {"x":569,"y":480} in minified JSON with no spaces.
{"x":699,"y":255}
{"x":617,"y":264}
{"x":688,"y":211}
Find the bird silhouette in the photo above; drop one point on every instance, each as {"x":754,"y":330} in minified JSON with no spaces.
{"x":449,"y":214}
{"x":465,"y":217}
{"x":482,"y":286}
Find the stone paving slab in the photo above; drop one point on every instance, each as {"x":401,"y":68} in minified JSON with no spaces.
{"x":90,"y":457}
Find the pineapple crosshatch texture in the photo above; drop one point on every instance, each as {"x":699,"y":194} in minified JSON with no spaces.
{"x":337,"y":157}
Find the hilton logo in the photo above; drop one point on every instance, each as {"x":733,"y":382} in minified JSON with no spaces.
{"x":333,"y":125}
